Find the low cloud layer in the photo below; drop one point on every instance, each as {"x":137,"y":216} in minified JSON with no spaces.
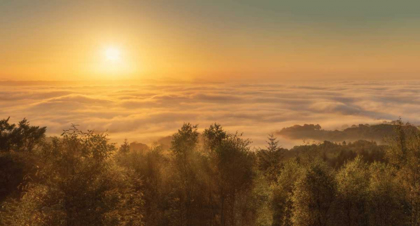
{"x":146,"y":112}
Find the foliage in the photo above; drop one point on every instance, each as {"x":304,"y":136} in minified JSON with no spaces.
{"x":209,"y":178}
{"x":76,"y":183}
{"x":270,"y":159}
{"x":353,"y":195}
{"x":22,"y":137}
{"x":313,"y":196}
{"x":17,"y":144}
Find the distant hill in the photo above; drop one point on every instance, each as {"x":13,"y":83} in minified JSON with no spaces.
{"x":378,"y":132}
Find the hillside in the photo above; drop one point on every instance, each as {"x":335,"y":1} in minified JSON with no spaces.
{"x":378,"y":133}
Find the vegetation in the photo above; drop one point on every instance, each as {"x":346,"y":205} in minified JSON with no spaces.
{"x":210,"y":178}
{"x":353,"y":133}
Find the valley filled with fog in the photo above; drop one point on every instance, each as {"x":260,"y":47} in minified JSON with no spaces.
{"x":147,"y":112}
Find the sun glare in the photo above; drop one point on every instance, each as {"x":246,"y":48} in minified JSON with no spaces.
{"x":113,"y":61}
{"x":112,"y":54}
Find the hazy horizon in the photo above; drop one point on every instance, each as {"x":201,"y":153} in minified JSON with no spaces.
{"x":147,"y":112}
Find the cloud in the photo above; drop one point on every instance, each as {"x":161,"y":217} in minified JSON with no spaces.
{"x":336,"y":107}
{"x":144,"y":112}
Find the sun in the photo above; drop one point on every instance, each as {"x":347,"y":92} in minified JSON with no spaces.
{"x":112,"y":54}
{"x":113,"y":61}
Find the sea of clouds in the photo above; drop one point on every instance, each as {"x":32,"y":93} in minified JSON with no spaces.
{"x":146,"y":112}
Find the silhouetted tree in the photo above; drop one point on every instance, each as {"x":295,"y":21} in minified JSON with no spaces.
{"x":270,"y":159}
{"x":125,"y":147}
{"x":19,"y":138}
{"x":16,"y":149}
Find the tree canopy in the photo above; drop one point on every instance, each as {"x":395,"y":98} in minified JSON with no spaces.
{"x":211,"y":178}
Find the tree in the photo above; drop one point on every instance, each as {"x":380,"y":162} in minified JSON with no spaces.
{"x":313,"y":196}
{"x":186,"y":186}
{"x":20,"y":138}
{"x":233,"y":174}
{"x":282,"y":203}
{"x":213,"y":178}
{"x":214,"y":136}
{"x":78,"y":184}
{"x":152,"y":169}
{"x":185,"y":141}
{"x":386,"y":204}
{"x":17,"y":144}
{"x":125,"y":147}
{"x":404,"y":154}
{"x":269,"y":159}
{"x":352,"y":198}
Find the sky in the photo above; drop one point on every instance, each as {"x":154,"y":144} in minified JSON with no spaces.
{"x":209,"y":40}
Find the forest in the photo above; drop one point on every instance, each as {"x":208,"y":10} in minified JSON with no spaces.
{"x":375,"y":132}
{"x":212,"y":178}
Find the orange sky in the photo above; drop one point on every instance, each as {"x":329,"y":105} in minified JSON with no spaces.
{"x":43,"y":40}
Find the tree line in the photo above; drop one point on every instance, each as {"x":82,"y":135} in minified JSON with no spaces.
{"x":211,"y":178}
